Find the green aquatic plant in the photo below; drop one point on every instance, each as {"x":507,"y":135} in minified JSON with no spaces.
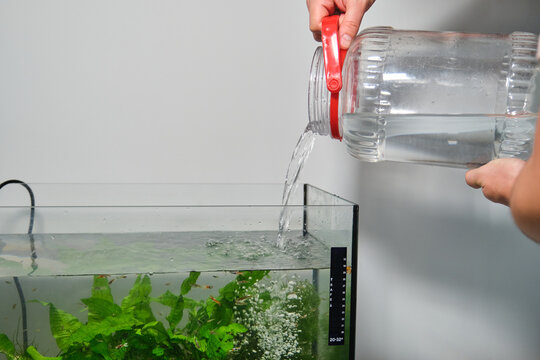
{"x":8,"y":349}
{"x":248,"y":318}
{"x":130,"y":330}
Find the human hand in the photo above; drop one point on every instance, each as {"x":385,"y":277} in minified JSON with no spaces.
{"x":514,"y":183}
{"x":496,"y":178}
{"x":351,"y":14}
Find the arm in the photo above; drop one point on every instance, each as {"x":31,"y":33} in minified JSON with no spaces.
{"x":525,"y":197}
{"x":349,"y":22}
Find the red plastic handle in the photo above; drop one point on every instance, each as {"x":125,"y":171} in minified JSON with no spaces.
{"x":330,"y":43}
{"x":333,"y":63}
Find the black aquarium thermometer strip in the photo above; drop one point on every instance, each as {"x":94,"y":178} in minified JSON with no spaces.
{"x":338,"y":295}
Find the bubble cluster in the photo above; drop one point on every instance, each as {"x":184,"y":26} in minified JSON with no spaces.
{"x":272,"y":320}
{"x":274,"y":312}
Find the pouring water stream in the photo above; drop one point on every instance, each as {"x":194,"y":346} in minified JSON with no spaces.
{"x":300,"y":154}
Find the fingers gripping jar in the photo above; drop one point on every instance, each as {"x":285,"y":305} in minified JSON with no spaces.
{"x":442,"y":98}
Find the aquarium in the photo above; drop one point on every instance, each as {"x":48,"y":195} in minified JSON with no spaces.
{"x":175,"y":271}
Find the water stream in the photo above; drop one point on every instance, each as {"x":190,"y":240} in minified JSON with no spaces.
{"x":300,"y":154}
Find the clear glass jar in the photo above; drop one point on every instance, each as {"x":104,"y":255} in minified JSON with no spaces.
{"x":443,"y":98}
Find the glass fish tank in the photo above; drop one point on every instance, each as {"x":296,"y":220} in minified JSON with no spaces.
{"x":175,"y":271}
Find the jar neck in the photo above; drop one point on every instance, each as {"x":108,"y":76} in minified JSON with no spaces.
{"x":318,"y":96}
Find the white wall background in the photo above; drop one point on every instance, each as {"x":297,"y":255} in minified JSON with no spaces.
{"x":214,"y":91}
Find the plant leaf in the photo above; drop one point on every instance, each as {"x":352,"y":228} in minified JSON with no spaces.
{"x":200,"y":344}
{"x":99,"y":309}
{"x":156,"y":331}
{"x":101,"y":288}
{"x":232,"y":328}
{"x":192,"y":304}
{"x":214,"y":348}
{"x":221,"y":340}
{"x":63,"y":326}
{"x":177,"y":312}
{"x":189,"y":282}
{"x":167,"y":299}
{"x":138,"y":300}
{"x":158,"y":351}
{"x":35,"y":355}
{"x":229,"y":291}
{"x":101,"y":348}
{"x":6,"y":346}
{"x":106,"y":327}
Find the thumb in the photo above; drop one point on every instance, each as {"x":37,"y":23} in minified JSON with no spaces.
{"x":473,"y":178}
{"x":349,"y":23}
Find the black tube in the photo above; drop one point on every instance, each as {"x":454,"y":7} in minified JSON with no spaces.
{"x":33,"y":256}
{"x":23,"y":311}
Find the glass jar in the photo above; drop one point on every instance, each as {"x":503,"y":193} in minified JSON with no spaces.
{"x":444,"y":98}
